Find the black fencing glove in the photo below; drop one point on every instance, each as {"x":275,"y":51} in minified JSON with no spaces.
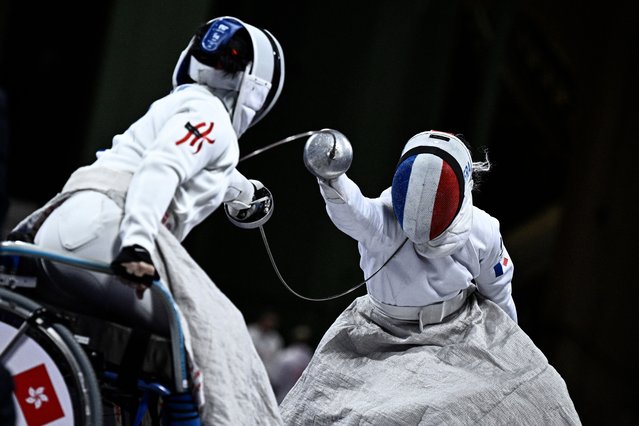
{"x":134,"y":254}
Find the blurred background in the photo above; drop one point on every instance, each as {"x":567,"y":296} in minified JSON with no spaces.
{"x":548,"y":88}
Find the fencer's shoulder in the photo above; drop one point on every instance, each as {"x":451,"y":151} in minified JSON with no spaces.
{"x":485,"y":226}
{"x":482,"y":215}
{"x":193,"y":96}
{"x":191,"y":90}
{"x":485,"y":236}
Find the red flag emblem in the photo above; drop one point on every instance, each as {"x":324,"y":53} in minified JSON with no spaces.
{"x":36,"y":396}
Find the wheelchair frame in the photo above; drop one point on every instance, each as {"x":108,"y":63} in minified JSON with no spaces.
{"x":30,"y":319}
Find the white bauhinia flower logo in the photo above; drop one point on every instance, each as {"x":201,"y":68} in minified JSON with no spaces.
{"x":37,"y":397}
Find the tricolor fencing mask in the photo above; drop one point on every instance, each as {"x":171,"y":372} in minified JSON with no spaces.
{"x":432,"y":192}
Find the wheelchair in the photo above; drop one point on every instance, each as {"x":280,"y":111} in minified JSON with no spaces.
{"x":72,"y":368}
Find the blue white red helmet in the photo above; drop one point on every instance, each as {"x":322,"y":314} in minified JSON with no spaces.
{"x":243,"y":65}
{"x":432,"y":191}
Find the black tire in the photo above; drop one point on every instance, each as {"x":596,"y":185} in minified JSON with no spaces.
{"x":68,"y":356}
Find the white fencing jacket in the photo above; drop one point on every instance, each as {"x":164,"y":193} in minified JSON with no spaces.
{"x":411,"y":279}
{"x":182,"y":153}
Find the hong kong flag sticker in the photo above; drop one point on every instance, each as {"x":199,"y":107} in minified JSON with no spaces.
{"x":36,"y":396}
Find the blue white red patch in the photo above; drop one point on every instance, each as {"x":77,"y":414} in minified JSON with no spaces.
{"x":501,"y":266}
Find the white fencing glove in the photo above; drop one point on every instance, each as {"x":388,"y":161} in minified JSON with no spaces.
{"x":253,"y":214}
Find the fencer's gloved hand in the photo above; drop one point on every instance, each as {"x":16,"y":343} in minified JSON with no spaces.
{"x":134,"y":264}
{"x":330,"y":190}
{"x":256,"y":213}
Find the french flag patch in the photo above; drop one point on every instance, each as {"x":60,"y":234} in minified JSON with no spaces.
{"x":499,"y":268}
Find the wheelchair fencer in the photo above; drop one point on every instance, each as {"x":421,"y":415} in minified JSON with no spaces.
{"x":71,"y":367}
{"x":82,"y":363}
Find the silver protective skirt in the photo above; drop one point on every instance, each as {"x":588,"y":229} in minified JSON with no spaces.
{"x":477,"y":367}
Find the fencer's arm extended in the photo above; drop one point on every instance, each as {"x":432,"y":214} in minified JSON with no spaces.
{"x":166,"y":164}
{"x":359,"y":217}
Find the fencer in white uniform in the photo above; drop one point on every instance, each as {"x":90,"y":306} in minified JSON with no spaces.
{"x":453,"y":245}
{"x":160,"y":178}
{"x":435,"y":340}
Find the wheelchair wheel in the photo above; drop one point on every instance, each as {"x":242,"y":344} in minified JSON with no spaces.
{"x":53,"y":378}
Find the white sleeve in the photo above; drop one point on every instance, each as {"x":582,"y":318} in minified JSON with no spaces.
{"x":496,"y":271}
{"x":173,"y":158}
{"x":359,"y":217}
